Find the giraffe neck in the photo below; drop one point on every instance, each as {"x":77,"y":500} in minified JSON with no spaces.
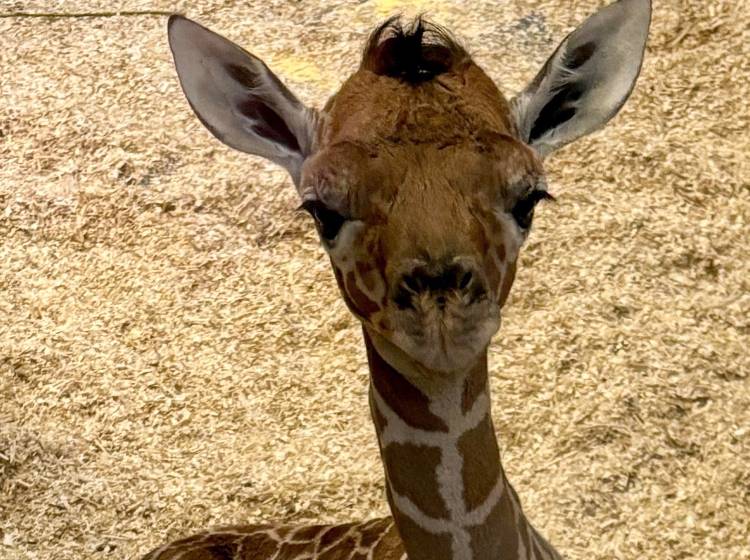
{"x":446,"y":486}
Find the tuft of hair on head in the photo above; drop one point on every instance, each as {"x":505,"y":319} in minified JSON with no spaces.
{"x":413,"y":53}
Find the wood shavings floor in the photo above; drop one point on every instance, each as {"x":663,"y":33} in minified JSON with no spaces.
{"x":174,"y":354}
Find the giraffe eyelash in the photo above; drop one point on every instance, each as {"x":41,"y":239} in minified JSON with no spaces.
{"x":523,"y":210}
{"x":327,"y":221}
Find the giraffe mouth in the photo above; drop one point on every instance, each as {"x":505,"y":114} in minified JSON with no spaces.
{"x":443,"y":343}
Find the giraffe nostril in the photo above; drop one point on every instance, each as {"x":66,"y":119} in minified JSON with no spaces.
{"x":403,"y":298}
{"x":441,"y":280}
{"x":412,"y":283}
{"x":465,"y":280}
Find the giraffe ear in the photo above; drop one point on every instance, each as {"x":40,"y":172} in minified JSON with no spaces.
{"x":237,"y":97}
{"x":587,"y":79}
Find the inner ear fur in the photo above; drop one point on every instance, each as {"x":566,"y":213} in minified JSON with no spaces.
{"x":587,"y":79}
{"x":238,"y":98}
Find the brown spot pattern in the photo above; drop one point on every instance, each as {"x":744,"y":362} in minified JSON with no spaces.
{"x":217,"y":546}
{"x":481,"y":468}
{"x":485,"y":544}
{"x":377,"y":417}
{"x":333,"y":534}
{"x":308,"y":533}
{"x":254,"y":542}
{"x":294,"y":549}
{"x":408,"y":402}
{"x":411,"y":472}
{"x":366,"y":271}
{"x":421,"y":544}
{"x":372,"y":531}
{"x":257,"y":546}
{"x":209,"y":553}
{"x":340,"y":280}
{"x":390,"y":547}
{"x":523,"y":524}
{"x":341,"y":551}
{"x":475,"y":385}
{"x":363,"y":305}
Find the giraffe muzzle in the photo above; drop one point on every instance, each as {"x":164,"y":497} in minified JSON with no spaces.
{"x":440,"y":284}
{"x":442,"y":313}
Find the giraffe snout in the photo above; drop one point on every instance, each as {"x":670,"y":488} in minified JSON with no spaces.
{"x":458,"y":280}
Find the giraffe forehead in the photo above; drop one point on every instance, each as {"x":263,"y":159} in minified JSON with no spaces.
{"x":452,"y":106}
{"x":380,"y":139}
{"x":386,"y":182}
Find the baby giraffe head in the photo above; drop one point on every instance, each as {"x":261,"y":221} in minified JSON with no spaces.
{"x":420,"y":176}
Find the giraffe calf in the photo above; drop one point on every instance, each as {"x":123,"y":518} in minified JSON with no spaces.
{"x":422,"y":180}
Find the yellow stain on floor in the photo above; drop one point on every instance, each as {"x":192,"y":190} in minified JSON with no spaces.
{"x":409,"y":7}
{"x":292,"y":66}
{"x":298,"y":67}
{"x":434,"y":9}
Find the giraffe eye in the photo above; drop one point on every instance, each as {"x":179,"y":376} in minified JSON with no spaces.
{"x":523,"y":211}
{"x":327,"y":221}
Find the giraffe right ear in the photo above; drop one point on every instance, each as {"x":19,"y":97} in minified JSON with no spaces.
{"x":237,"y":97}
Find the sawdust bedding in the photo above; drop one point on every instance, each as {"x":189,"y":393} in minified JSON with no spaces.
{"x":174,"y":355}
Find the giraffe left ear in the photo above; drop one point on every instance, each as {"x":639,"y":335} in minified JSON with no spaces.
{"x":237,"y":97}
{"x":587,"y":79}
